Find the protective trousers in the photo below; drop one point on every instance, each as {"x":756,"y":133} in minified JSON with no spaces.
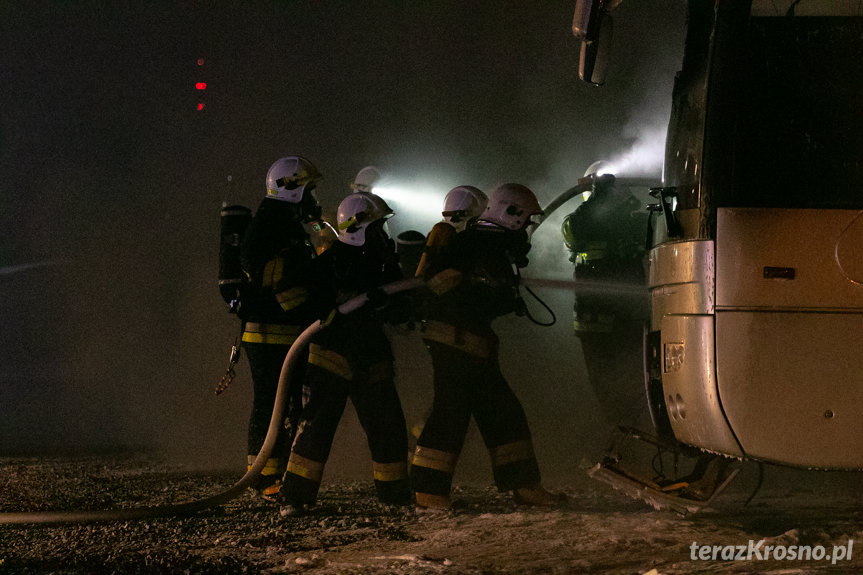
{"x":467,"y":384}
{"x":330,"y":381}
{"x":265,"y":363}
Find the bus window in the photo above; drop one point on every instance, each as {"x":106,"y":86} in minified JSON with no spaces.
{"x":798,"y":132}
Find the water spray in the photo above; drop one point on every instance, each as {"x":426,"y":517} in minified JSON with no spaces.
{"x":11,"y":270}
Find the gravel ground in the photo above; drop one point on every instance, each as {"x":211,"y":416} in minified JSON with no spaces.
{"x":600,"y":531}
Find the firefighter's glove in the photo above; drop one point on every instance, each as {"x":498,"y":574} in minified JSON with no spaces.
{"x":377,"y":298}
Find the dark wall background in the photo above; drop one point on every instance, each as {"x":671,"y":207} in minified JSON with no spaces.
{"x":113,"y":331}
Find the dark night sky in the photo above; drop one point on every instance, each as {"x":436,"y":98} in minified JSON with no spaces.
{"x":112,"y":182}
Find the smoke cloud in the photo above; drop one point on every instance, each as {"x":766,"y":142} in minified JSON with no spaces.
{"x":646,"y":155}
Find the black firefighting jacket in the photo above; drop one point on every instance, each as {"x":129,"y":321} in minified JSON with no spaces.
{"x":474,"y":280}
{"x":343,"y":272}
{"x":277,"y":257}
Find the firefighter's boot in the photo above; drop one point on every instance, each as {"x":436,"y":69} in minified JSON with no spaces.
{"x":538,"y":496}
{"x":268,"y":484}
{"x":428,"y":502}
{"x":271,"y":492}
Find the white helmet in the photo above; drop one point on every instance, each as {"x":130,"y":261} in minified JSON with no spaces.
{"x":289,"y":177}
{"x":595,"y":170}
{"x":463,"y":204}
{"x":356,"y":212}
{"x":511,"y":206}
{"x":598,"y":168}
{"x":366,"y":179}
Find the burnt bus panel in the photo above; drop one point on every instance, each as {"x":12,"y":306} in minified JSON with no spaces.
{"x":791,"y":385}
{"x":789,"y":259}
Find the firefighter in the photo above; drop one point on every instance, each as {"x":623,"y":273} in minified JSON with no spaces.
{"x":473,"y":280}
{"x":366,"y":179}
{"x":462,"y":206}
{"x":351,"y":358}
{"x":606,"y":237}
{"x":276,"y":256}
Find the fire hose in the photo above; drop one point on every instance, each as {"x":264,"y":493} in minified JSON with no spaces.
{"x":188,"y":508}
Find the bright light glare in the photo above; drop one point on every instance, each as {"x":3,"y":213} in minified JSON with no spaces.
{"x":417,"y":207}
{"x":420,"y":202}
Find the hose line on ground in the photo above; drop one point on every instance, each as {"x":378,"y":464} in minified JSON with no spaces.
{"x":180,"y":509}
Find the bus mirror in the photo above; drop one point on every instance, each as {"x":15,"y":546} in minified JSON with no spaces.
{"x":667,"y":199}
{"x":593,"y":60}
{"x":585,"y":19}
{"x":588,"y":16}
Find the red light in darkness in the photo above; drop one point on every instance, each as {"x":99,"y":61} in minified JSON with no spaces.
{"x":201,"y":85}
{"x":200,"y":106}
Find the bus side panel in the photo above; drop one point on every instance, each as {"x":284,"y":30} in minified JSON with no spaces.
{"x":689,"y":384}
{"x":791,"y":385}
{"x":792,"y":259}
{"x":680,"y":279}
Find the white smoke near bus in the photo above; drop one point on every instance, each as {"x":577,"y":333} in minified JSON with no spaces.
{"x":646,"y":155}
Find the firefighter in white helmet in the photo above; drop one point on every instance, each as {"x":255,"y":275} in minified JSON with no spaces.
{"x":276,"y":256}
{"x":290,"y":178}
{"x":462,"y":206}
{"x":471,"y":283}
{"x":606,"y":239}
{"x":351,"y":357}
{"x":607,"y":242}
{"x":366,"y":179}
